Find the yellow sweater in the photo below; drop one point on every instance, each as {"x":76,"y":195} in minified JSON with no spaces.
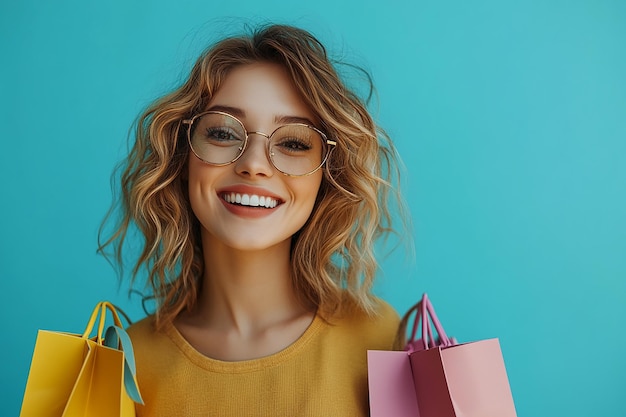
{"x":322,"y":374}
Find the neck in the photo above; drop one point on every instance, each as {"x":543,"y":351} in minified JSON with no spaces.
{"x":247,"y":291}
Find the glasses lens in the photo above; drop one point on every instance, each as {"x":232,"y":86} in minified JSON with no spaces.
{"x":297,"y":149}
{"x":217,"y":138}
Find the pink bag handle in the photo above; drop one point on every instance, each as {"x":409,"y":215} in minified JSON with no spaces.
{"x":425,"y":313}
{"x":419,"y":317}
{"x":427,"y":334}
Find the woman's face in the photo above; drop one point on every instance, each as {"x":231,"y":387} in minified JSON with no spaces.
{"x":227,"y":200}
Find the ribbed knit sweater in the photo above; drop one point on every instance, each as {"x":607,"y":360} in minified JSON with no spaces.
{"x":322,"y":374}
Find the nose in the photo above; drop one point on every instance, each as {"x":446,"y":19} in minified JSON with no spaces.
{"x":254,"y":160}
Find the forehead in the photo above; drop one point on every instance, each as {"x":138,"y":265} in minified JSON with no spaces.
{"x":262,"y":92}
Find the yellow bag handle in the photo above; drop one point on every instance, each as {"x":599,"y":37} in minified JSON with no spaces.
{"x":100,"y":310}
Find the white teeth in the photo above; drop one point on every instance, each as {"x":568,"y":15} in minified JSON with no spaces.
{"x":251,"y":200}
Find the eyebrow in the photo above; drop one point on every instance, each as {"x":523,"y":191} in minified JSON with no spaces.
{"x":280,"y":119}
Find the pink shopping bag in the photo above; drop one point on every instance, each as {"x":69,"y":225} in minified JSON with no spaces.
{"x":440,"y":378}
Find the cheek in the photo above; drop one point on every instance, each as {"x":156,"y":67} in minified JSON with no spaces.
{"x":194,"y":168}
{"x":194,"y":181}
{"x":199,"y":179}
{"x":306,"y":189}
{"x":200,"y":173}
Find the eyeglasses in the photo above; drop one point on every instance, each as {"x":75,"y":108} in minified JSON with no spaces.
{"x":295,"y":149}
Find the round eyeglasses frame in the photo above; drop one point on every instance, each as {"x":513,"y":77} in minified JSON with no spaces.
{"x":242,"y":149}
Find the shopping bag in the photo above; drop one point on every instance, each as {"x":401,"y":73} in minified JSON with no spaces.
{"x":390,"y":381}
{"x":77,"y":376}
{"x":390,"y":384}
{"x":447,"y":379}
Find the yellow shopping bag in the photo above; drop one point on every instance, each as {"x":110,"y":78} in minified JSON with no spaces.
{"x":77,"y":376}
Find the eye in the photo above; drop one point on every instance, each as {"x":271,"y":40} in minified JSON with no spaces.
{"x":294,"y":145}
{"x":222,"y":135}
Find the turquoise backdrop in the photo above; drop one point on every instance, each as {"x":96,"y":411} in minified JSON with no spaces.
{"x":510,"y":117}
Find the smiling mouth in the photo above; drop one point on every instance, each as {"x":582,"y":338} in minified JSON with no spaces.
{"x":250,"y":200}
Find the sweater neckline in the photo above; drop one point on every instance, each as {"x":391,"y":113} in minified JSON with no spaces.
{"x":250,"y":365}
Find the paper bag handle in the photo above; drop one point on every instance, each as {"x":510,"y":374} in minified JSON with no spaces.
{"x":100,"y":310}
{"x":419,"y":317}
{"x":424,"y":314}
{"x":428,"y":311}
{"x":116,"y":337}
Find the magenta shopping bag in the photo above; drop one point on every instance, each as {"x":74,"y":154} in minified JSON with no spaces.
{"x":436,"y":377}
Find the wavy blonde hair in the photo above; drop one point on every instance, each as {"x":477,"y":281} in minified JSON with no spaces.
{"x":332,"y":256}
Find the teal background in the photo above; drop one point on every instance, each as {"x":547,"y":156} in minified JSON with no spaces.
{"x":510,"y":118}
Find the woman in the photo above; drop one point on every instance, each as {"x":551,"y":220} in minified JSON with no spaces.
{"x":260,"y":186}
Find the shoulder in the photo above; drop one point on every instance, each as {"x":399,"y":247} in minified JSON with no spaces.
{"x":382,"y":314}
{"x":386,"y":313}
{"x":376,"y":330}
{"x":144,"y":334}
{"x":142,"y":328}
{"x":150,"y":345}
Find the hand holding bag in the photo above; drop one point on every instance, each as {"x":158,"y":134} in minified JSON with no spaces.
{"x":436,"y":377}
{"x":77,"y":376}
